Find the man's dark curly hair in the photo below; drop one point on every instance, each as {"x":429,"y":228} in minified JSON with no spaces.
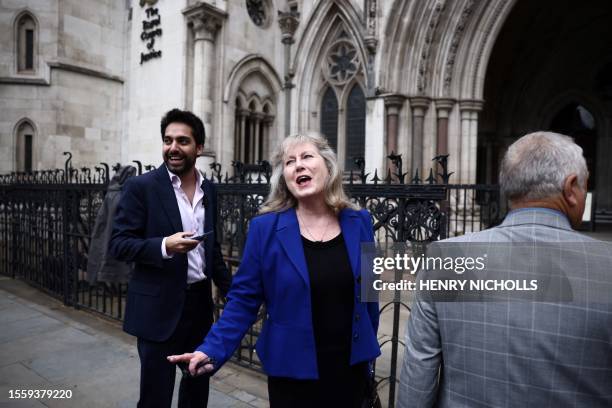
{"x":187,"y":118}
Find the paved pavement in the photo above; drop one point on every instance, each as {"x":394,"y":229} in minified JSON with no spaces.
{"x":45,"y":345}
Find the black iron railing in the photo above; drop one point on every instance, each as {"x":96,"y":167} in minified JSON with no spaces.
{"x":47,"y":217}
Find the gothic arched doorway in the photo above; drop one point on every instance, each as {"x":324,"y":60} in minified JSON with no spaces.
{"x":545,"y":73}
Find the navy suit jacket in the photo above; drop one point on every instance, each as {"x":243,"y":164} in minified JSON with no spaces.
{"x":148,"y":212}
{"x":274,"y":271}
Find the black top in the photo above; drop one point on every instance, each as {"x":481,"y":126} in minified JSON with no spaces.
{"x":332,"y":298}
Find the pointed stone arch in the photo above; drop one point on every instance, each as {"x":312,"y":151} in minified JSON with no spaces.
{"x":466,"y":65}
{"x":26,"y":30}
{"x":252,"y":94}
{"x":331,"y":55}
{"x":327,"y":20}
{"x":440,"y":48}
{"x":25,"y":137}
{"x":246,"y":66}
{"x":407,"y":46}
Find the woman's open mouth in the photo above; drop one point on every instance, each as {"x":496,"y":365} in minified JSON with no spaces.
{"x":303,"y":181}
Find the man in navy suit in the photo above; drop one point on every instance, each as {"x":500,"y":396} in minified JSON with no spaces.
{"x":169,"y":304}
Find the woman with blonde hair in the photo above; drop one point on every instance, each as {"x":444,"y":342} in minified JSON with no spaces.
{"x":302,"y":259}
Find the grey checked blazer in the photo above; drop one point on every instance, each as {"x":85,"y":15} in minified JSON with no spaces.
{"x":513,"y":354}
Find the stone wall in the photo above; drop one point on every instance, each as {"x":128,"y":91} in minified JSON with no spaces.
{"x":74,"y":99}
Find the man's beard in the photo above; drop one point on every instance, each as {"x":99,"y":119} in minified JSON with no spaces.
{"x":183,"y":168}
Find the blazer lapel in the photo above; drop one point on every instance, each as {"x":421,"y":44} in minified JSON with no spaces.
{"x":349,"y":223}
{"x":288,"y":232}
{"x":167,"y":198}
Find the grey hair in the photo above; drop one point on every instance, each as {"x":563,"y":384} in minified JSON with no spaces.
{"x":537,"y":164}
{"x":280,"y":198}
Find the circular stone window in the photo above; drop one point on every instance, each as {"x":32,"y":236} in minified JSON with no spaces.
{"x":258,"y":11}
{"x":342,"y":62}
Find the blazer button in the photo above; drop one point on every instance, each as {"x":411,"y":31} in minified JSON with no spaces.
{"x":357,"y":317}
{"x":359,"y":280}
{"x":355,"y":336}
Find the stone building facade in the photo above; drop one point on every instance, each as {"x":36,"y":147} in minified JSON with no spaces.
{"x":70,"y":95}
{"x":416,"y":77}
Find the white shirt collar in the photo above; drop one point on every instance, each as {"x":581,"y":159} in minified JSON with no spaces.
{"x":176,"y":180}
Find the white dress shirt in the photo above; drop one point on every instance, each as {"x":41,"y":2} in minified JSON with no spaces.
{"x":192,"y":218}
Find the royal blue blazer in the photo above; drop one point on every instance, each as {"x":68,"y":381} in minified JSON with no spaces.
{"x":273,"y":271}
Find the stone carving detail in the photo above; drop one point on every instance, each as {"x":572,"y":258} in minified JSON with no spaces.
{"x":424,"y":63}
{"x":487,"y":31}
{"x":206,"y":26}
{"x":205,"y":20}
{"x":370,"y":39}
{"x":288,"y":23}
{"x":341,"y":63}
{"x":257,"y":12}
{"x":452,"y":54}
{"x":371,"y":17}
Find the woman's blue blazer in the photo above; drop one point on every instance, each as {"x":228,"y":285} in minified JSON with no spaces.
{"x":273,"y":271}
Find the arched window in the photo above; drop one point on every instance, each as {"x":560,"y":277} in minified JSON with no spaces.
{"x":26,"y":44}
{"x":25,"y":147}
{"x":329,"y":117}
{"x":343,"y":104}
{"x":255,"y":87}
{"x":252,"y":131}
{"x":355,"y":127}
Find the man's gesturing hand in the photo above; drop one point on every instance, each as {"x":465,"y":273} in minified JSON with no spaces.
{"x":178,"y":243}
{"x":199,"y":363}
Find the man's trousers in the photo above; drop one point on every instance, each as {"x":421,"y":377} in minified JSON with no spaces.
{"x":157,"y":374}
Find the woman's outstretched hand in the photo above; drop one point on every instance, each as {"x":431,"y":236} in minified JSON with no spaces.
{"x":197,"y":363}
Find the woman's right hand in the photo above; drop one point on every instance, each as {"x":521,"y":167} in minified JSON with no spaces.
{"x":199,"y":363}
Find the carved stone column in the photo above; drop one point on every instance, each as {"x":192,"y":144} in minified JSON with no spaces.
{"x":443,"y":109}
{"x":469,"y":139}
{"x":419,"y":105}
{"x":241,"y":129}
{"x":469,"y":147}
{"x":250,"y":158}
{"x":268,"y":120}
{"x":393,"y":105}
{"x":205,"y":20}
{"x":258,"y":117}
{"x":288,"y":22}
{"x":370,"y":40}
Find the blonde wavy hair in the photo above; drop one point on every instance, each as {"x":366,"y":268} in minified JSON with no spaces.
{"x":280,"y":198}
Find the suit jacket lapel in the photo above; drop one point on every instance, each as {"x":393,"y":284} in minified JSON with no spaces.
{"x":349,"y":223}
{"x":167,"y":198}
{"x":288,"y":232}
